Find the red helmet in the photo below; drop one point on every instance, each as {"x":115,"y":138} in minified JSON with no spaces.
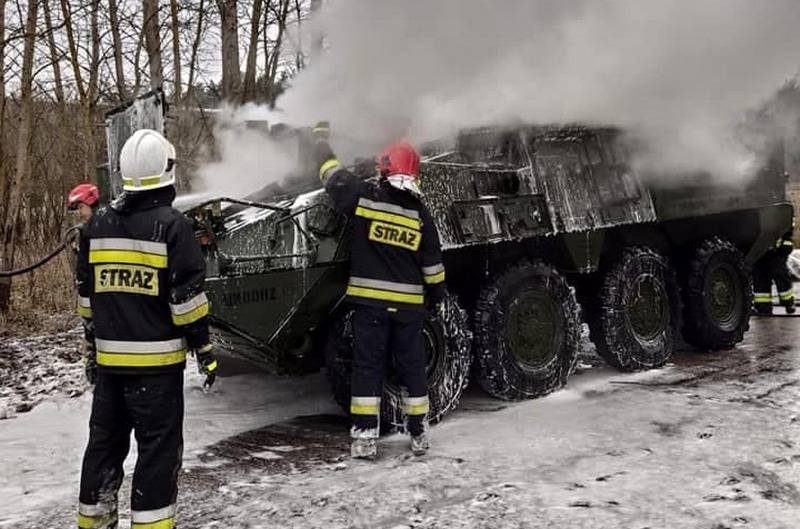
{"x":85,"y":193}
{"x":400,"y":158}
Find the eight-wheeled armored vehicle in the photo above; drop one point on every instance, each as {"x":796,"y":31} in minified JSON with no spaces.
{"x":543,"y":228}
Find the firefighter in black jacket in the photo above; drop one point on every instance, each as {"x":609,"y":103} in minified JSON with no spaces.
{"x":140,"y":284}
{"x":772,"y":267}
{"x":395,"y":261}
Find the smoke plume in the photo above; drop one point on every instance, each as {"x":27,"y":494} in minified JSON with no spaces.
{"x":680,"y":73}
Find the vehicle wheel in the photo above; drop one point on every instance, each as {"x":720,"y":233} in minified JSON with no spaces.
{"x":448,"y":343}
{"x":636,"y":314}
{"x":528,"y":330}
{"x":717,"y":296}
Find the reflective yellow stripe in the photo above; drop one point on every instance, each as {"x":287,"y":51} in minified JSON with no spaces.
{"x":128,"y":257}
{"x":85,"y":312}
{"x":143,"y":182}
{"x":762,"y":298}
{"x":191,"y":316}
{"x":788,"y":243}
{"x":416,"y":405}
{"x":333,"y":163}
{"x":96,"y":522}
{"x":167,"y":523}
{"x":140,"y":359}
{"x":362,"y":409}
{"x":212,"y":366}
{"x":787,"y":295}
{"x":388,"y":217}
{"x":385,"y":295}
{"x":365,"y":405}
{"x":434,"y":279}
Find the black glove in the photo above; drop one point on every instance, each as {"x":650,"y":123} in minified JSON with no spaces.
{"x":207,"y":364}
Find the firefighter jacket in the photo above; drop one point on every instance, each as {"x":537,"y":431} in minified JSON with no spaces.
{"x":784,"y":245}
{"x":395,"y":255}
{"x":140,"y":275}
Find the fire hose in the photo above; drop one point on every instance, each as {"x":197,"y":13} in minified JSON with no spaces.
{"x":69,"y":235}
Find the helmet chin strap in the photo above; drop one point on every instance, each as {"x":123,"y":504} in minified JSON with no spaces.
{"x":405,"y":182}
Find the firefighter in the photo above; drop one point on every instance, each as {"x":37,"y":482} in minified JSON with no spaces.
{"x":772,"y":267}
{"x":395,"y":263}
{"x":140,"y":285}
{"x":84,"y":200}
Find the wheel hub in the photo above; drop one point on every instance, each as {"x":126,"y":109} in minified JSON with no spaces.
{"x":647,"y":308}
{"x":723,"y":294}
{"x":533,"y":325}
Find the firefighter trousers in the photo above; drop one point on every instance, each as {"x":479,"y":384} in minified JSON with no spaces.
{"x":771,"y":267}
{"x":152,"y":407}
{"x":387,"y":338}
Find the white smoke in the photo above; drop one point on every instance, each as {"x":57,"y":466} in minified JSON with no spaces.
{"x":680,"y":72}
{"x":246,"y":158}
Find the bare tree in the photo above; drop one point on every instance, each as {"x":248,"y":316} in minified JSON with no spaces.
{"x":231,"y":71}
{"x":198,"y":35}
{"x":55,"y":57}
{"x":176,"y":49}
{"x":119,"y":71}
{"x":273,"y":58}
{"x":152,"y":42}
{"x":249,"y":91}
{"x":22,"y":166}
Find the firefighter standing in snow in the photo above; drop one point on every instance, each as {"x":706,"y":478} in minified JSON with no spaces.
{"x":140,"y":278}
{"x":395,"y":257}
{"x":772,"y":267}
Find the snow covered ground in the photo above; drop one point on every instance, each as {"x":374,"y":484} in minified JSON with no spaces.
{"x":711,"y":442}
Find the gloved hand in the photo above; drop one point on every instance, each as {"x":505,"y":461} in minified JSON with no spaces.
{"x":90,"y":361}
{"x":437,"y":308}
{"x":207,"y":364}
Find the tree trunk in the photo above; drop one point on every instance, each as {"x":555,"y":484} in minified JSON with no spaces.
{"x":119,"y":70}
{"x":249,"y":92}
{"x":152,"y":42}
{"x":195,"y":46}
{"x":231,"y":71}
{"x":275,"y":56}
{"x":66,"y":11}
{"x":22,"y":166}
{"x":91,"y":95}
{"x":54,"y":58}
{"x":3,"y":183}
{"x":176,"y":50}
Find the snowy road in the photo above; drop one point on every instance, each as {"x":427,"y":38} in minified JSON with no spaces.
{"x":710,"y":442}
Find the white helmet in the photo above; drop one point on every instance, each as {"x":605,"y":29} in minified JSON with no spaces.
{"x":147,"y":161}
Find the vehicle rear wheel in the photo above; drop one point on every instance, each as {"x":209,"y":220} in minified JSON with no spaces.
{"x":448,"y":344}
{"x":528,"y":329}
{"x":717,"y":296}
{"x":635,"y":317}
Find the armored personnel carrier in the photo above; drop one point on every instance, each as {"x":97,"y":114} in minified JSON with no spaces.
{"x":543,"y":228}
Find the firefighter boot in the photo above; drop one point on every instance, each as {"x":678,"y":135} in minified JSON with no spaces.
{"x":790,"y":308}
{"x":364,"y":442}
{"x":420,"y":444}
{"x":364,"y":448}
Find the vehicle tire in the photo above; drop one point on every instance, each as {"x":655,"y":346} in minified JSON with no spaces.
{"x":527,"y":332}
{"x":635,"y":317}
{"x":448,"y":342}
{"x":717,"y":296}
